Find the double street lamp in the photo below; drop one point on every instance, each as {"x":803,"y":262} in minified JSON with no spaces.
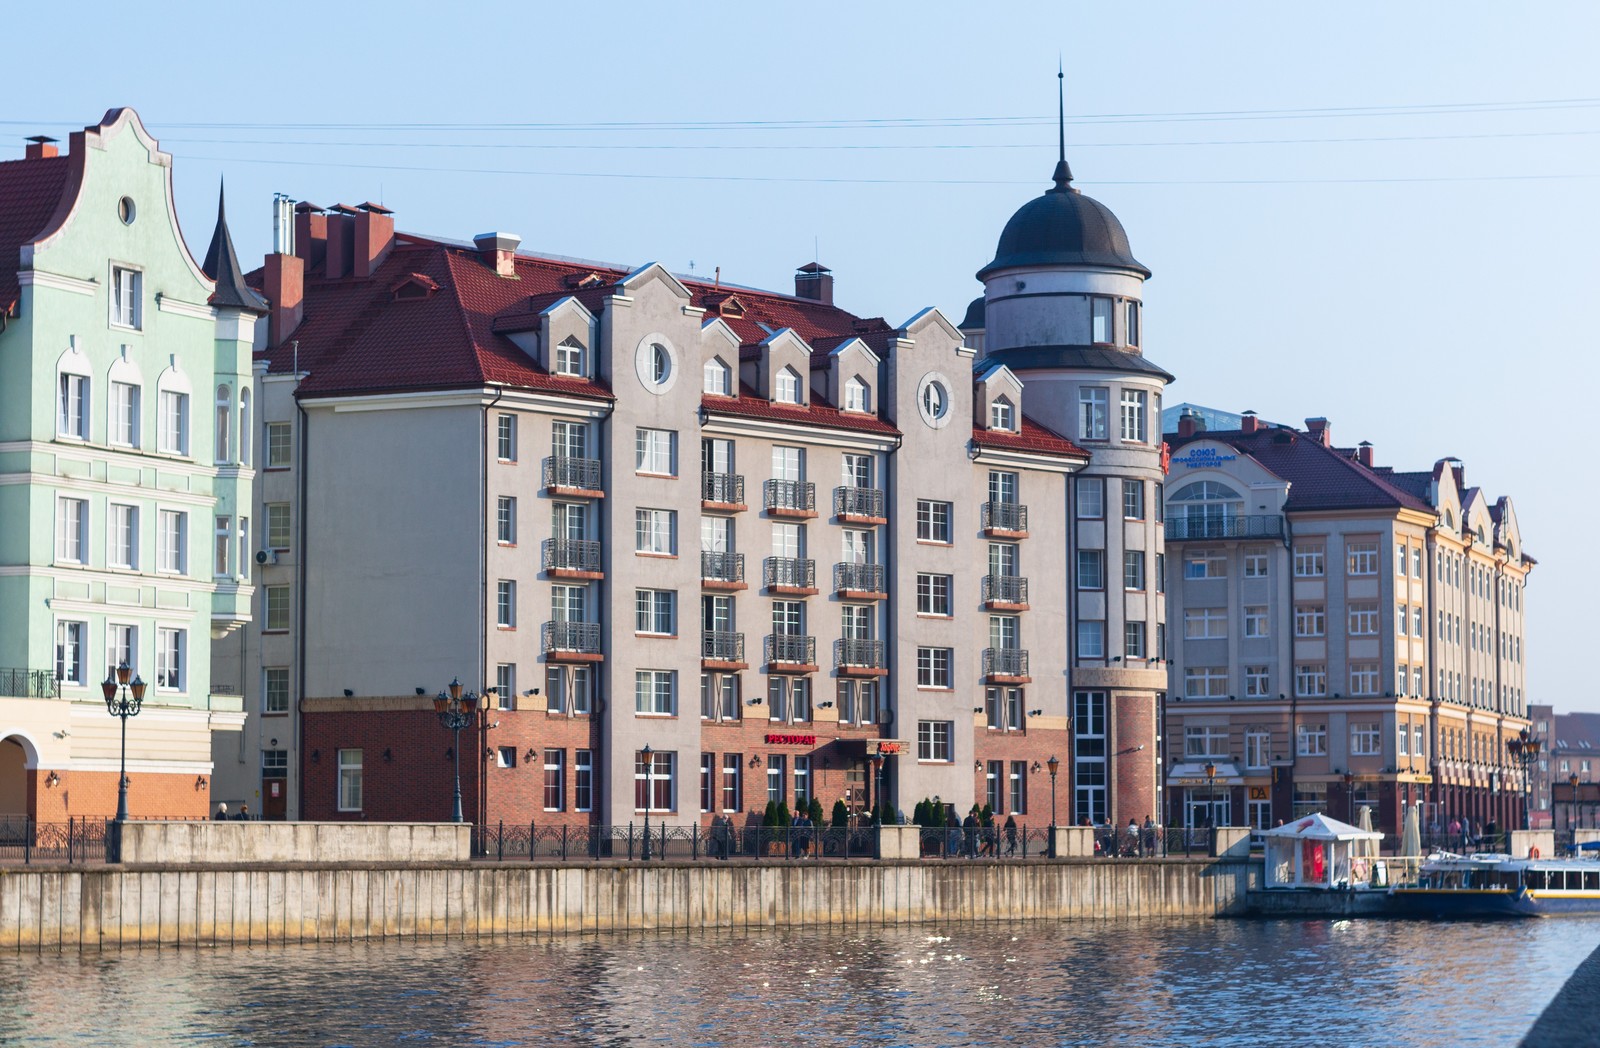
{"x":456,"y":711}
{"x":1524,"y":751}
{"x":123,"y":700}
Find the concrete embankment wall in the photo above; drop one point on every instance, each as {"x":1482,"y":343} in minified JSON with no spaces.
{"x":110,"y":907}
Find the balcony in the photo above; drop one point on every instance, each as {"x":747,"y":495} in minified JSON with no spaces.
{"x":859,"y":505}
{"x":854,"y":657}
{"x":790,"y":498}
{"x":29,"y":684}
{"x":724,"y":491}
{"x":1262,"y":526}
{"x":572,"y":642}
{"x":565,"y":475}
{"x":722,"y":650}
{"x":790,"y":576}
{"x":722,"y":571}
{"x":1005,"y":666}
{"x":1005,"y":592}
{"x":572,"y":559}
{"x":790,"y":653}
{"x":859,"y":581}
{"x":1005,"y":520}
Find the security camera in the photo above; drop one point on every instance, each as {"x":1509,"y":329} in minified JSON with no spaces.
{"x":496,"y":724}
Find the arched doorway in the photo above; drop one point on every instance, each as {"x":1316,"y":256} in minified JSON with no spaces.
{"x":15,"y":759}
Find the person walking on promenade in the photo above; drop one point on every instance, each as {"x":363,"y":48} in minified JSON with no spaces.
{"x":969,"y":827}
{"x":1133,"y":836}
{"x":1150,"y":835}
{"x":244,"y":814}
{"x":221,"y":813}
{"x":1011,"y":835}
{"x":952,"y":827}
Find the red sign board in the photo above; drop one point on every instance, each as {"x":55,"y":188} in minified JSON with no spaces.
{"x":791,"y":740}
{"x":888,"y":748}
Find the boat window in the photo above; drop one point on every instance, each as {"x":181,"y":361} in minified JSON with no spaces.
{"x":1591,"y":880}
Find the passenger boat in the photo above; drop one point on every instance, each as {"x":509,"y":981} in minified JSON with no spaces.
{"x":1497,"y":885}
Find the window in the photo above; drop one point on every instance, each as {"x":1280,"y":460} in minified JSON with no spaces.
{"x":569,"y":357}
{"x":1416,"y":621}
{"x":280,"y":442}
{"x":583,"y":781}
{"x":1133,"y":569}
{"x":1310,"y":681}
{"x":716,"y":378}
{"x":1018,"y":788}
{"x":1363,"y":620}
{"x":505,"y":521}
{"x":122,"y":647}
{"x":856,"y":471}
{"x":933,"y":521}
{"x":1133,"y":500}
{"x":1364,"y":678}
{"x":708,"y":768}
{"x":857,"y":702}
{"x":506,"y":438}
{"x":173,"y":419}
{"x":1003,"y":487}
{"x":506,"y":757}
{"x":1310,"y":620}
{"x":73,"y":413}
{"x":275,"y":689}
{"x":719,"y":696}
{"x":1402,"y":740}
{"x":172,"y":541}
{"x":1091,"y":498}
{"x":654,"y":612}
{"x":654,"y":692}
{"x":1133,"y":323}
{"x":1309,"y":798}
{"x":802,"y":781}
{"x":1257,"y":683}
{"x":1418,"y":747}
{"x":933,"y":594}
{"x":1100,"y":324}
{"x":1255,"y":564}
{"x":934,"y":668}
{"x":1091,"y":569}
{"x":555,"y":779}
{"x":935,"y":401}
{"x":1399,"y":560}
{"x":72,"y":652}
{"x":1091,"y":639}
{"x":1205,"y":682}
{"x":1133,"y":415}
{"x":124,"y":414}
{"x":1311,"y":740}
{"x":1257,"y":747}
{"x":1205,"y":623}
{"x":1089,"y":756}
{"x":246,"y":436}
{"x":787,"y":387}
{"x":856,"y":396}
{"x":244,"y":548}
{"x":1003,"y":708}
{"x":1161,"y":573}
{"x":655,"y":452}
{"x":505,"y":686}
{"x":505,"y":604}
{"x":1416,"y":562}
{"x":1205,"y":740}
{"x":72,"y":530}
{"x":350,"y":780}
{"x":1255,"y":621}
{"x":276,"y":602}
{"x":1308,"y":562}
{"x":994,"y":786}
{"x":732,"y":787}
{"x":125,"y":288}
{"x":777,"y":767}
{"x":224,"y":423}
{"x":1001,"y":414}
{"x":170,"y":646}
{"x":222,"y":559}
{"x":933,"y":740}
{"x":1133,"y":640}
{"x":788,"y":618}
{"x":1364,"y":739}
{"x":1094,"y":407}
{"x":655,"y":531}
{"x":1362,"y":558}
{"x":1205,"y":564}
{"x":278,"y":525}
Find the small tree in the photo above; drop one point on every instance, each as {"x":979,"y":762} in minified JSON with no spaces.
{"x":841,"y":815}
{"x":784,"y":818}
{"x":986,"y":816}
{"x":771,"y":816}
{"x":814,"y":811}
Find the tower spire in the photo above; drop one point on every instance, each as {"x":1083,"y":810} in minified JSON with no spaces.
{"x":222,"y":265}
{"x":1063,"y":173}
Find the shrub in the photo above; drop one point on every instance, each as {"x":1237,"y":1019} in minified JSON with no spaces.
{"x":841,"y":815}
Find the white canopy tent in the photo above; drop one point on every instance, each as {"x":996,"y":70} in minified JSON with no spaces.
{"x":1319,"y":852}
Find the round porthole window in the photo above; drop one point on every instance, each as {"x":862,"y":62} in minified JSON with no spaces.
{"x":656,"y":363}
{"x":933,"y":399}
{"x":126,"y":210}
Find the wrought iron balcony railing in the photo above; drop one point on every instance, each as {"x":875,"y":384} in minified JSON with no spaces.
{"x":726,"y":489}
{"x":563,"y":471}
{"x":789,"y":573}
{"x":794,"y":496}
{"x":571,"y":555}
{"x":29,"y":684}
{"x":721,"y":646}
{"x":722,"y":567}
{"x":1005,"y":516}
{"x":858,"y":578}
{"x":581,"y":637}
{"x":791,"y":648}
{"x":1005,"y":589}
{"x":1005,"y":662}
{"x":858,"y":502}
{"x":1257,"y":526}
{"x":856,"y":652}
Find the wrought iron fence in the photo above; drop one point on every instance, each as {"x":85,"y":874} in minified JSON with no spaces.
{"x":858,"y":578}
{"x":563,"y":471}
{"x":789,"y":573}
{"x":1005,"y":516}
{"x":794,"y":648}
{"x":28,"y":684}
{"x":581,"y":637}
{"x":722,"y":567}
{"x":858,"y":502}
{"x":864,"y":654}
{"x":794,"y":495}
{"x":724,"y":489}
{"x":721,"y":646}
{"x":985,"y":842}
{"x":1005,"y":662}
{"x":571,"y":555}
{"x":1005,"y":589}
{"x":1255,"y":526}
{"x":533,"y":842}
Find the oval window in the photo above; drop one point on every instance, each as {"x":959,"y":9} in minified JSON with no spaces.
{"x":126,"y":210}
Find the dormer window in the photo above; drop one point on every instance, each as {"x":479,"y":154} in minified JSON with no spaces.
{"x":1002,"y":415}
{"x":856,"y":396}
{"x":569,"y":357}
{"x":787,"y":387}
{"x":1100,"y":320}
{"x":718,"y":378}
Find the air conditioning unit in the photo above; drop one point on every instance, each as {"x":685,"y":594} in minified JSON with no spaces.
{"x":266,"y":556}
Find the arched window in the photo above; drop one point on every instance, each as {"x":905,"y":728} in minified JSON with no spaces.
{"x":856,"y":395}
{"x":717,"y":378}
{"x":72,"y":392}
{"x":1001,"y":414}
{"x":224,"y":421}
{"x":1205,"y":509}
{"x":569,"y":357}
{"x":788,"y":387}
{"x":246,"y":435}
{"x":1449,"y":519}
{"x":935,"y":402}
{"x":172,"y":412}
{"x":660,"y":363}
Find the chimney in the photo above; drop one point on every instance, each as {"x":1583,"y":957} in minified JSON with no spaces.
{"x":1249,"y":423}
{"x":1319,"y":428}
{"x":374,"y":236}
{"x":499,"y":252}
{"x":1189,"y":423}
{"x":1364,"y":453}
{"x":284,"y":286}
{"x":341,"y":241}
{"x":41,"y":147}
{"x":310,"y":233}
{"x":815,"y":282}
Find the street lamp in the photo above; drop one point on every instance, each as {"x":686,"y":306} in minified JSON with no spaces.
{"x":123,"y":700}
{"x":877,"y":788}
{"x":1054,"y":765}
{"x":1524,"y":750}
{"x":1211,"y":793}
{"x":1350,"y":796}
{"x":649,"y":794}
{"x":1574,"y":813}
{"x":456,"y":711}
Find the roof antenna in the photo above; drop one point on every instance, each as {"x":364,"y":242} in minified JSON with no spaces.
{"x":1063,"y":174}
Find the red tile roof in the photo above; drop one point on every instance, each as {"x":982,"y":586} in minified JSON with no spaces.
{"x":1035,"y":438}
{"x":30,"y":192}
{"x":1320,"y":478}
{"x":750,"y":404}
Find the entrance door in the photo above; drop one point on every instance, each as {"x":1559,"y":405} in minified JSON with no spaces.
{"x":275,"y":784}
{"x":1205,"y":810}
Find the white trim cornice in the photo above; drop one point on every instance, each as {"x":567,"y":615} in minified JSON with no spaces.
{"x":769,"y":429}
{"x":1024,"y":460}
{"x":116,"y":456}
{"x":550,"y":403}
{"x":168,"y":304}
{"x":56,"y":281}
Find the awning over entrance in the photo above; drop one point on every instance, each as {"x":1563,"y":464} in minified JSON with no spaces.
{"x":1187,"y":774}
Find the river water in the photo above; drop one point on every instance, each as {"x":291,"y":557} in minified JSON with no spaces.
{"x":1166,"y":982}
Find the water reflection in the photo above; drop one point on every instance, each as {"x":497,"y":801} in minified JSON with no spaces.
{"x":1135,"y":982}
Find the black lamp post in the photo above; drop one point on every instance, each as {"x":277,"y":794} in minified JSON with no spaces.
{"x":877,"y":788}
{"x":1054,"y":765}
{"x":123,"y":700}
{"x":1524,"y":750}
{"x":1350,"y":797}
{"x":456,"y":711}
{"x":649,"y":795}
{"x":1574,"y":813}
{"x":1211,"y":793}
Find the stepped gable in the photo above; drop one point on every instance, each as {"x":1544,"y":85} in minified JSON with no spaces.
{"x":1320,"y":477}
{"x":31,"y":190}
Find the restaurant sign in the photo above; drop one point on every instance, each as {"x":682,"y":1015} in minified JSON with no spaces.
{"x":791,"y":740}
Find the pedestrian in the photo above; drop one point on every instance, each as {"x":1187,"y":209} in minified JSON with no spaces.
{"x":1133,"y":836}
{"x":969,"y":827}
{"x":1011,"y":835}
{"x":952,"y":832}
{"x":244,"y":814}
{"x":221,"y":813}
{"x":1466,"y":832}
{"x":1149,"y":835}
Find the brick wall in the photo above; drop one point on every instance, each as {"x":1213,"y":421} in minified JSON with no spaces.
{"x":93,"y":794}
{"x":1032,"y":746}
{"x":1134,"y":770}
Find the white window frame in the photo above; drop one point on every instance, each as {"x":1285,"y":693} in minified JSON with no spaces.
{"x":786,"y":386}
{"x":1311,"y":740}
{"x":935,"y":741}
{"x":72,"y":406}
{"x":72,"y":530}
{"x":1366,"y":739}
{"x":655,"y":693}
{"x":935,"y":668}
{"x":1094,"y":413}
{"x":271,"y":676}
{"x":1361,"y":557}
{"x":72,"y":652}
{"x":172,"y":542}
{"x":172,"y":422}
{"x":934,"y":521}
{"x":506,"y":520}
{"x":1257,"y":681}
{"x":1205,"y":682}
{"x":172,"y":656}
{"x":280,"y":445}
{"x":1133,"y":428}
{"x":655,"y":612}
{"x":1002,"y":415}
{"x":933,"y":594}
{"x":655,"y":452}
{"x":276,"y":608}
{"x":127,"y":306}
{"x":505,"y":604}
{"x":351,"y":780}
{"x":123,"y":422}
{"x":655,"y":532}
{"x":716,"y":378}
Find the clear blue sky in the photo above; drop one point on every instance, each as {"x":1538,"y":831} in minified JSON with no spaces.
{"x":1380,"y":213}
